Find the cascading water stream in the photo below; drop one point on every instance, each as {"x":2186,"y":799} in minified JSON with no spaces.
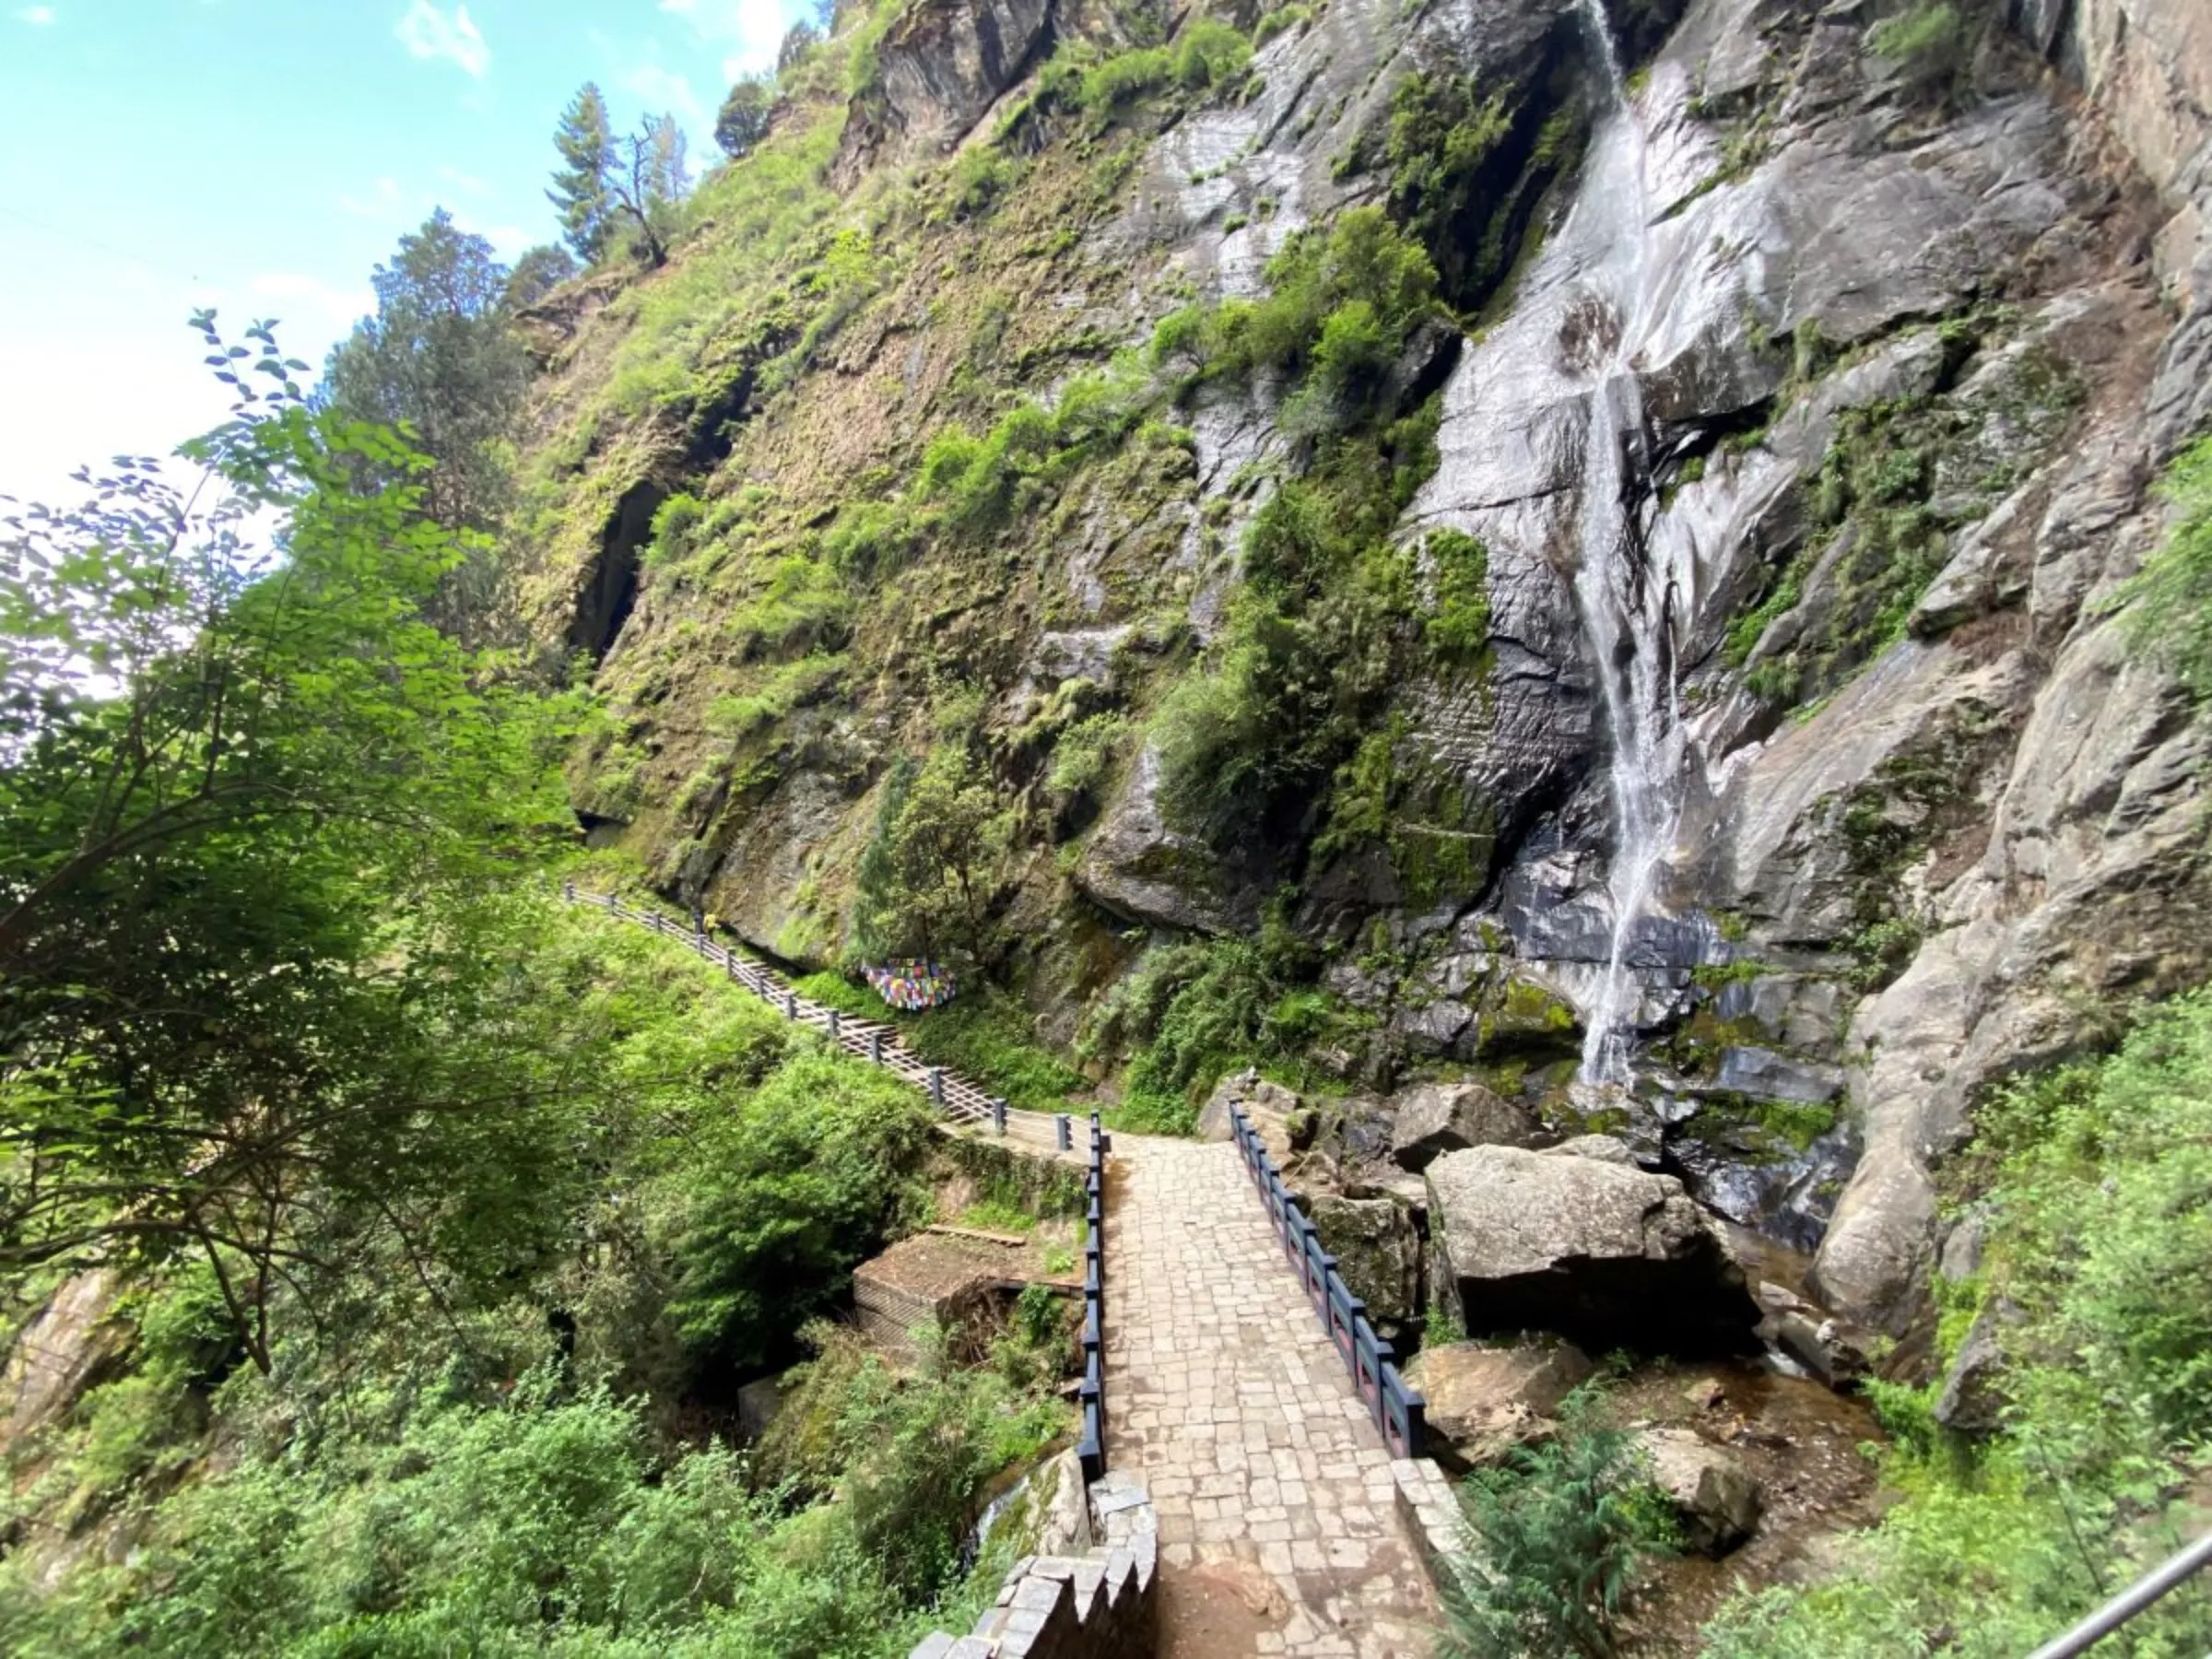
{"x":1625,"y":607}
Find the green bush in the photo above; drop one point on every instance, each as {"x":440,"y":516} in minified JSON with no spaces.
{"x":1189,"y":1014}
{"x":1108,"y":89}
{"x":815,"y":1171}
{"x":981,"y":176}
{"x":1458,"y":627}
{"x":1559,"y":1533}
{"x":1209,"y":52}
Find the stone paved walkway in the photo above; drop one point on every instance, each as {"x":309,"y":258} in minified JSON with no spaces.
{"x":1279,"y":1533}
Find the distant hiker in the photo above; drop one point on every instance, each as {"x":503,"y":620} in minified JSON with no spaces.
{"x":713,"y":921}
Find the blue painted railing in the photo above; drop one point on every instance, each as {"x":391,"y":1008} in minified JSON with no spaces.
{"x":1090,"y":1451}
{"x":1397,"y":1410}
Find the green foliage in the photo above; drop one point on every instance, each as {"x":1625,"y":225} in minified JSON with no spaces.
{"x":255,"y":816}
{"x":871,"y":540}
{"x":981,"y":484}
{"x":1209,"y":52}
{"x":2102,"y":1239}
{"x":1319,"y":638}
{"x":929,"y":877}
{"x":1188,"y":1014}
{"x":1082,"y":757}
{"x":2170,"y":600}
{"x":550,"y":1524}
{"x":989,"y":1041}
{"x":1110,"y":88}
{"x":1558,"y":1532}
{"x":793,"y":1189}
{"x":743,"y":120}
{"x":983,"y":175}
{"x":1444,"y":152}
{"x":1459,"y":621}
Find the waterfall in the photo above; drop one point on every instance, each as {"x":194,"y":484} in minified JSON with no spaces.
{"x":1625,"y":607}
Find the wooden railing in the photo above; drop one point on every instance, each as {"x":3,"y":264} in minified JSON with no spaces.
{"x":1396,"y":1409}
{"x":878,"y":1043}
{"x":1091,"y":1449}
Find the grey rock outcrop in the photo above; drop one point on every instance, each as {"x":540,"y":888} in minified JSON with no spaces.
{"x":1485,"y":1400}
{"x":938,"y":68}
{"x":1603,"y":1254}
{"x":1431,"y":1118}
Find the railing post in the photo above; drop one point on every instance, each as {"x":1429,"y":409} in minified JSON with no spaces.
{"x":1061,"y":1127}
{"x":791,"y":1004}
{"x":834,"y":1023}
{"x":936,"y":1086}
{"x":568,"y":891}
{"x":730,"y":961}
{"x":998,"y":1112}
{"x":875,"y":1048}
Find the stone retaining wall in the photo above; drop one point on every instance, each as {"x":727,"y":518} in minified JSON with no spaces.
{"x":1100,"y":1605}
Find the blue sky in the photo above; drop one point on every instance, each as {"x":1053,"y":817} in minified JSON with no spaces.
{"x":263,"y":156}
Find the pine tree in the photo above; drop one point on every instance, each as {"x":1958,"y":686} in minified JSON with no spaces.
{"x":580,"y":188}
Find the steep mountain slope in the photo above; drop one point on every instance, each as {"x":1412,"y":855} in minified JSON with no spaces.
{"x":1588,"y":529}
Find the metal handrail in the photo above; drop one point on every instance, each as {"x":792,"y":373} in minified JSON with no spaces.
{"x":1090,"y":1450}
{"x":2168,"y":1574}
{"x":1399,"y":1412}
{"x":955,"y":1097}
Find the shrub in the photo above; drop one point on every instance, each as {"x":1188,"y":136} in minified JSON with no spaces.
{"x":1458,"y":628}
{"x":1108,"y":88}
{"x":981,"y":176}
{"x":1558,"y":1533}
{"x":1209,"y":52}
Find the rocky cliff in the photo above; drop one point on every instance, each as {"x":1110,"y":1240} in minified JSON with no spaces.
{"x":1799,"y":373}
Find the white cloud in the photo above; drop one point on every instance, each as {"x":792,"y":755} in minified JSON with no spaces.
{"x":746,"y":31}
{"x":38,"y":16}
{"x":662,"y":89}
{"x":462,"y":181}
{"x":429,"y":33}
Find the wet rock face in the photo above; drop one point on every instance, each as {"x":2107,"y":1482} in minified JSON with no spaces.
{"x":1603,"y":1254}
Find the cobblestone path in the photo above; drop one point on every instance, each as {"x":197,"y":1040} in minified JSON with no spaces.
{"x":1278,"y":1528}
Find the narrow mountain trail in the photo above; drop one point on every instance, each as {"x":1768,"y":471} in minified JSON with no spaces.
{"x":1278,"y":1525}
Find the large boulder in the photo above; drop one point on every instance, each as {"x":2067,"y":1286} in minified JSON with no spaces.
{"x":1716,"y":1501}
{"x":1483,"y":1401}
{"x":1602,"y":1252}
{"x":1377,"y":1252}
{"x":1431,"y":1118}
